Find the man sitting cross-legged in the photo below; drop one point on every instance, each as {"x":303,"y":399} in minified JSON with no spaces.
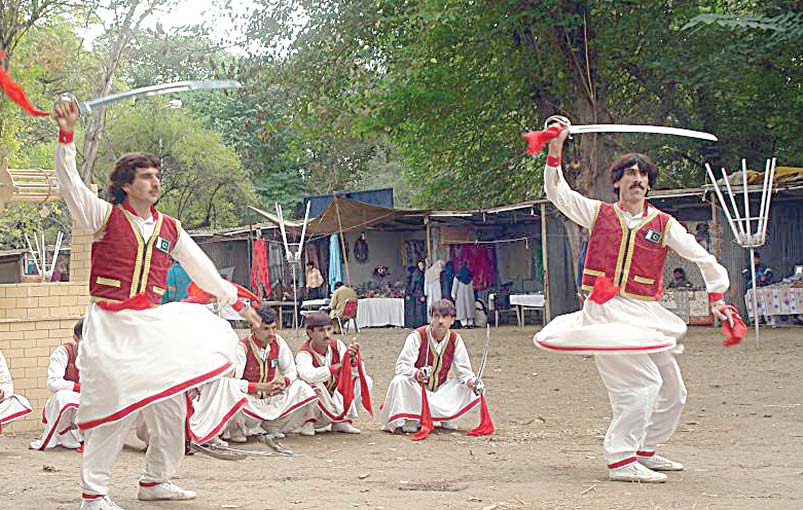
{"x":320,"y":361}
{"x":277,"y":400}
{"x":62,"y":406}
{"x":428,"y":355}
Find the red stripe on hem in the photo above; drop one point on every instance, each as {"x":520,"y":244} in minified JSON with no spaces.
{"x":149,"y":484}
{"x":645,"y":454}
{"x":14,"y":416}
{"x":215,"y":431}
{"x":92,"y":496}
{"x":622,"y":463}
{"x":56,"y":424}
{"x":550,"y":347}
{"x":179,"y":388}
{"x":460,"y":413}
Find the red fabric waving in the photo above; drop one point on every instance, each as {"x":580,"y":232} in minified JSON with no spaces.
{"x":735,"y":334}
{"x":486,"y":426}
{"x":345,"y":385}
{"x":537,"y":139}
{"x":604,"y":290}
{"x":16,"y":93}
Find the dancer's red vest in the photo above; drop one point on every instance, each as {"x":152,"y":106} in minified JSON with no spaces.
{"x":440,"y":364}
{"x":331,"y":384}
{"x":71,"y":372}
{"x":256,"y":370}
{"x":633,"y":259}
{"x":124,"y":264}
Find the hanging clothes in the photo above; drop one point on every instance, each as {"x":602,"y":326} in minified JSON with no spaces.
{"x":260,"y":275}
{"x":335,"y":261}
{"x":481,"y":260}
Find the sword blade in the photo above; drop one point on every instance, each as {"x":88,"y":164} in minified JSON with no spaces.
{"x":485,"y":352}
{"x":155,"y":90}
{"x":640,"y":128}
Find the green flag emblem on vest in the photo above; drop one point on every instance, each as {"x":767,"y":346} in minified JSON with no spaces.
{"x":163,"y":244}
{"x":653,"y":236}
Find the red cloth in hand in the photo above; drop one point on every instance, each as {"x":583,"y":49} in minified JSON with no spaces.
{"x":736,"y":333}
{"x":16,"y":93}
{"x":486,"y":426}
{"x":196,"y":294}
{"x":426,"y":417}
{"x":537,"y":139}
{"x":604,"y":290}
{"x":345,"y":385}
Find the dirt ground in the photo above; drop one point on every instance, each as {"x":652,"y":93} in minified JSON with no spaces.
{"x":741,"y":439}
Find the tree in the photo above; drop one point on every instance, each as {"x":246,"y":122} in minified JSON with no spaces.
{"x":203,"y":183}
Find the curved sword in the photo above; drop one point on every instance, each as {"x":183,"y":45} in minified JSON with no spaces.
{"x":153,"y":90}
{"x":630,"y":128}
{"x":479,"y":386}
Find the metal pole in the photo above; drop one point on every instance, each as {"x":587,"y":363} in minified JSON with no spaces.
{"x":736,"y":215}
{"x":747,"y":218}
{"x":755,"y":293}
{"x":545,"y":262}
{"x":723,"y":203}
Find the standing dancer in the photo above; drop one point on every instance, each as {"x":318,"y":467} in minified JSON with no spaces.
{"x":136,"y":357}
{"x":631,"y":335}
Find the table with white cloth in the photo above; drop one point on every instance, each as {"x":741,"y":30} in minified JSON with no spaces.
{"x":775,"y":300}
{"x":523,"y":302}
{"x":379,"y":312}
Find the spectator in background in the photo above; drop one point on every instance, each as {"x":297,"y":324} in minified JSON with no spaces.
{"x":763,"y":275}
{"x":314,"y":281}
{"x":341,"y":294}
{"x":679,"y":280}
{"x":177,"y":282}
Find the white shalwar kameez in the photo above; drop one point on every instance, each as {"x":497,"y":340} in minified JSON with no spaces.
{"x":450,"y":401}
{"x":432,"y":284}
{"x":646,"y":390}
{"x":141,"y":362}
{"x":61,"y":408}
{"x":12,"y":407}
{"x":329,"y":407}
{"x":284,"y":412}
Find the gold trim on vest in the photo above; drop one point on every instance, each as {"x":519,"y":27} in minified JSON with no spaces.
{"x":641,"y":279}
{"x":110,"y":282}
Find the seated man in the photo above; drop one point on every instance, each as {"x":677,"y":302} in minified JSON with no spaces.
{"x":319,"y":361}
{"x":341,"y":294}
{"x":763,"y":274}
{"x":12,"y":407}
{"x":62,"y":407}
{"x":429,"y":353}
{"x":277,"y":400}
{"x":679,"y":280}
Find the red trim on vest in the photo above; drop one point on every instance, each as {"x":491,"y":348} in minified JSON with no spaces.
{"x":120,"y":259}
{"x":622,"y":463}
{"x":639,"y":271}
{"x":426,"y":357}
{"x":127,"y":207}
{"x":65,"y":137}
{"x":71,"y":372}
{"x":336,"y":358}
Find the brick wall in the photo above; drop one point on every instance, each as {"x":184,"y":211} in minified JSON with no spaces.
{"x":35,"y":318}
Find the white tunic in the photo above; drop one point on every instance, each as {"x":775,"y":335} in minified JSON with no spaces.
{"x":622,"y":325}
{"x":330,"y":406}
{"x":12,"y":407}
{"x":450,"y":401}
{"x":285,"y":411}
{"x":133,"y":358}
{"x":432,"y":284}
{"x":463,"y":295}
{"x":61,"y":408}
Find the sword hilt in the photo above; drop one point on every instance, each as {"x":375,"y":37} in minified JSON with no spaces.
{"x":558,"y":118}
{"x":83,"y":108}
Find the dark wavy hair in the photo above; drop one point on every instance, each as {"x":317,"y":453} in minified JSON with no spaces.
{"x":124,"y":171}
{"x":644,"y":163}
{"x":266,"y":313}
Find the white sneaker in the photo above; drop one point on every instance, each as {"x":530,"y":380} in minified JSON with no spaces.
{"x":345,"y":428}
{"x":659,"y":463}
{"x":308,"y":429}
{"x":164,"y":491}
{"x":635,"y":472}
{"x":275,"y":433}
{"x":104,"y":503}
{"x":447,"y":425}
{"x":410,"y":426}
{"x":238,"y":437}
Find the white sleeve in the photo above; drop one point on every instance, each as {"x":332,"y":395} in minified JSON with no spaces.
{"x":56,"y":370}
{"x":405,"y":363}
{"x":575,"y":206}
{"x":239,"y":369}
{"x":680,"y":240}
{"x":87,"y":210}
{"x":5,"y":378}
{"x":202,"y":270}
{"x":309,"y":373}
{"x":287,"y":366}
{"x":461,"y":362}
